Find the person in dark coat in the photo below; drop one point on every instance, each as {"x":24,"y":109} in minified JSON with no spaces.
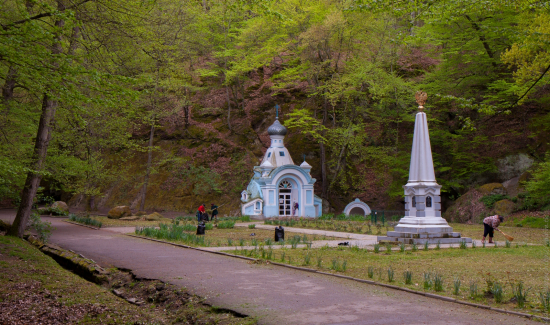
{"x":214,"y":209}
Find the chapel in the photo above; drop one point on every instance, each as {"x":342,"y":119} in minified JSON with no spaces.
{"x":278,"y":184}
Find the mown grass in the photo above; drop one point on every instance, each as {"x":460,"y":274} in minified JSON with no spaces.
{"x":480,"y":266}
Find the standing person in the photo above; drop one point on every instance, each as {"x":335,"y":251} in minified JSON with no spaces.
{"x":294,"y":208}
{"x":214,"y":209}
{"x":202,"y":210}
{"x":490,"y":224}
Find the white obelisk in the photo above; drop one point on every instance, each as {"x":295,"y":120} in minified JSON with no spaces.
{"x":422,"y":221}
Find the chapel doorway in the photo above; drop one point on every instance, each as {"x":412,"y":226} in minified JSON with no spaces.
{"x":285,"y":202}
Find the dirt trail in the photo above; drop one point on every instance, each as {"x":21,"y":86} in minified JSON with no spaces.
{"x":275,"y":295}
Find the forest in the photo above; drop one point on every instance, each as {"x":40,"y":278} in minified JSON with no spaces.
{"x":165,"y":104}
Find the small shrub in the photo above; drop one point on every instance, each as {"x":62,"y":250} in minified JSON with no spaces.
{"x":388,"y":248}
{"x":520,"y":293}
{"x":307,"y":259}
{"x":241,"y":242}
{"x":490,"y":200}
{"x":473,"y":290}
{"x":269,"y":254}
{"x":208,"y":226}
{"x":456,"y":287}
{"x":408,"y":277}
{"x":438,"y":245}
{"x":245,"y":218}
{"x":43,"y":228}
{"x":85,"y":220}
{"x":508,"y":244}
{"x":427,"y":281}
{"x":335,"y":264}
{"x":254,"y":242}
{"x":390,"y":274}
{"x":545,"y":299}
{"x":229,"y":242}
{"x":252,"y":226}
{"x":283,"y":256}
{"x":463,"y":244}
{"x":370,"y":272}
{"x":376,"y":248}
{"x":414,"y":247}
{"x":319,"y":262}
{"x":189,"y":227}
{"x":426,"y":245}
{"x":438,"y":283}
{"x":268,"y":242}
{"x":474,"y":245}
{"x":344,"y":266}
{"x":483,"y":244}
{"x":226,"y":224}
{"x":497,"y":291}
{"x":402,"y":247}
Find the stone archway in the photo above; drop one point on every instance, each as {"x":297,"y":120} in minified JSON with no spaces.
{"x":357,"y":207}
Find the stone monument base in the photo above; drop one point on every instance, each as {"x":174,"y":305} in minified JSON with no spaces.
{"x":415,"y":230}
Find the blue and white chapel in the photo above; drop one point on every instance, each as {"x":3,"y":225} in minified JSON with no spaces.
{"x":278,"y":183}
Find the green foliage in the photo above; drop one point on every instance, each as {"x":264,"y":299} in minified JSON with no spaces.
{"x":54,"y":211}
{"x":226,"y":224}
{"x":86,"y":220}
{"x":203,"y":180}
{"x":408,"y":277}
{"x":520,"y":293}
{"x":438,"y":283}
{"x":498,"y":292}
{"x":456,"y":286}
{"x":490,"y":200}
{"x":252,"y":226}
{"x":42,"y":228}
{"x":171,"y":232}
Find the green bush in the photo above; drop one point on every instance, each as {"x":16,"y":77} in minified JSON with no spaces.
{"x":54,"y":211}
{"x":490,"y":200}
{"x":228,"y":224}
{"x":171,"y":232}
{"x":43,"y":228}
{"x":252,"y":226}
{"x":85,"y":220}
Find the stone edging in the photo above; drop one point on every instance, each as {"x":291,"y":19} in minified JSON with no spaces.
{"x":426,"y":294}
{"x":80,"y":224}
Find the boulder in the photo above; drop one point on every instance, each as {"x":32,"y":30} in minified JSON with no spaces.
{"x":130,"y":218}
{"x":504,"y":207}
{"x":492,"y":189}
{"x":119,"y":212}
{"x":61,"y":206}
{"x":141,"y":213}
{"x":153,"y":216}
{"x":467,"y":208}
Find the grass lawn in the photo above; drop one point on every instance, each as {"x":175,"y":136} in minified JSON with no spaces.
{"x":34,"y":289}
{"x":520,"y":234}
{"x":479,"y":266}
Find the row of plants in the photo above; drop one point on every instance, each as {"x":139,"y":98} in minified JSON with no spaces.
{"x":85,"y":220}
{"x":53,"y":211}
{"x":189,"y":223}
{"x":172,"y":232}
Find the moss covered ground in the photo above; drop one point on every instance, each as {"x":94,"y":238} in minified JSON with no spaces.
{"x":34,"y":289}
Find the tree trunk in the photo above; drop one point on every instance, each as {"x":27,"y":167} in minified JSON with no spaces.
{"x":7,"y":89}
{"x":228,"y":108}
{"x":149,"y":161}
{"x":41,"y":143}
{"x":323,"y":158}
{"x":33,"y":177}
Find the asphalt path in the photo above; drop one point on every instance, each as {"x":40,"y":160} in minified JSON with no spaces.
{"x":273,"y":294}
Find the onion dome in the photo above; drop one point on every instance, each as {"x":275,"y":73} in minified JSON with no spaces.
{"x":277,"y":128}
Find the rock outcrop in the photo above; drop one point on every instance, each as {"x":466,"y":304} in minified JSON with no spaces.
{"x":61,"y":206}
{"x":119,"y":212}
{"x":504,"y":207}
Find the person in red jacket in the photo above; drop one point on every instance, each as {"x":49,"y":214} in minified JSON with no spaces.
{"x":202,"y":210}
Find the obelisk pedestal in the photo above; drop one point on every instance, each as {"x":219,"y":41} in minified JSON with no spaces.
{"x":422,"y":221}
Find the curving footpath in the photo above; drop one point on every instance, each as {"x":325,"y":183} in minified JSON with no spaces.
{"x":273,"y":294}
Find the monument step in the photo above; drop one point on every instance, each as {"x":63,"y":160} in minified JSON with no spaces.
{"x":421,"y":241}
{"x":423,"y":235}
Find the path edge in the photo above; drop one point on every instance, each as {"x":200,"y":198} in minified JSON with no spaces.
{"x":80,"y":224}
{"x":426,"y":294}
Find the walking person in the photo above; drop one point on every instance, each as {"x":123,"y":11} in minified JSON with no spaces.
{"x":489,"y":225}
{"x":214,"y":209}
